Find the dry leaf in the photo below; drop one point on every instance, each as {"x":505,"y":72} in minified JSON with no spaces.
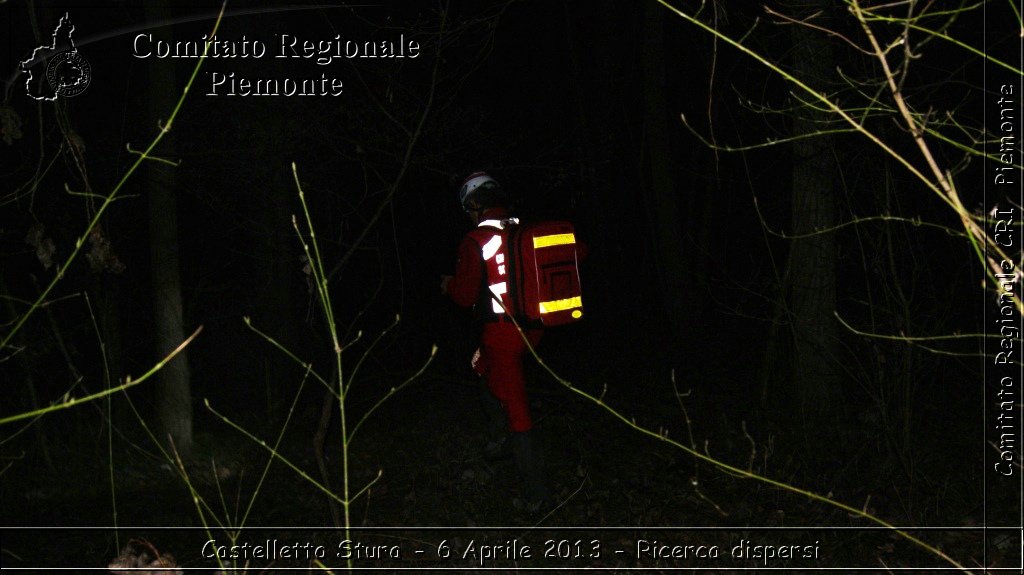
{"x":45,"y":248}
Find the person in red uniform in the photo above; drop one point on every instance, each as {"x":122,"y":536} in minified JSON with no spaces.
{"x":480,"y":282}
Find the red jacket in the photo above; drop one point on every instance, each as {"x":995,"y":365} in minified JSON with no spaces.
{"x":470,"y":267}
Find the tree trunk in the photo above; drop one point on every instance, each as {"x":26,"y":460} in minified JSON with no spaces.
{"x":810,"y":280}
{"x":173,"y":396}
{"x":277,"y":303}
{"x":673,"y":263}
{"x":604,"y":148}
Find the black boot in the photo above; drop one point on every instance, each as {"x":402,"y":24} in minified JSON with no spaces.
{"x":531,"y":470}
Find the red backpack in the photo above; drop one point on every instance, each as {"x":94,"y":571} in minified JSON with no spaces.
{"x":544,"y":277}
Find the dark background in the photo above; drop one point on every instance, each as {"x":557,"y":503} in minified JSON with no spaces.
{"x":550,"y":98}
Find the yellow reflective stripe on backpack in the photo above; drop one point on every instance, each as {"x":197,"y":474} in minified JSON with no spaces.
{"x":560,"y":304}
{"x":553,"y":240}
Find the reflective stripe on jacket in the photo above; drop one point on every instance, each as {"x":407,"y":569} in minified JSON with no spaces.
{"x":481,"y":277}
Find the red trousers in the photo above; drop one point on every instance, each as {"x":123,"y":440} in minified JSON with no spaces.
{"x":502,"y":351}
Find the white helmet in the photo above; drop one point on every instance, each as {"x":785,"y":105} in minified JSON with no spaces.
{"x":471,"y":183}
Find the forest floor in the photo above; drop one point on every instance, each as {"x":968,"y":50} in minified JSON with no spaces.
{"x":623,"y":499}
